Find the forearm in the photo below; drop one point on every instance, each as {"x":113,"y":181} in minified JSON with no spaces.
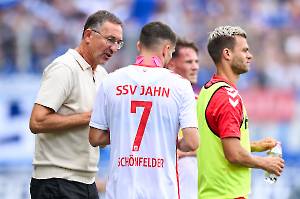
{"x":55,"y":123}
{"x":236,"y":154}
{"x":263,"y":145}
{"x":245,"y":159}
{"x":266,"y":164}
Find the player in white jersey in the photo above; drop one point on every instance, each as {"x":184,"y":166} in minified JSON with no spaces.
{"x":185,"y":62}
{"x":143,"y":106}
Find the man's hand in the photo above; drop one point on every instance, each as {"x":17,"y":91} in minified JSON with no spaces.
{"x":263,"y":145}
{"x":236,"y":154}
{"x":272,"y":165}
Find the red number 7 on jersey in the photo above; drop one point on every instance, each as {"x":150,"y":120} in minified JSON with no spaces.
{"x":142,"y":125}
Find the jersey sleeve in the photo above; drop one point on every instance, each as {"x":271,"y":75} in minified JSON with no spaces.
{"x":187,"y":114}
{"x":224,"y":113}
{"x":56,"y":86}
{"x":99,"y":116}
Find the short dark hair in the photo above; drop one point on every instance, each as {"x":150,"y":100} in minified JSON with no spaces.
{"x":183,"y":43}
{"x":153,"y":32}
{"x":223,"y":37}
{"x":98,"y":18}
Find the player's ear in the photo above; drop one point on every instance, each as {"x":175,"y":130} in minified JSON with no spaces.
{"x":166,"y":49}
{"x":227,"y":54}
{"x":87,"y":35}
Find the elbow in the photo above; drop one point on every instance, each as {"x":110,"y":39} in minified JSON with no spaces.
{"x":93,"y":142}
{"x":37,"y":124}
{"x":233,"y":159}
{"x":34,"y":127}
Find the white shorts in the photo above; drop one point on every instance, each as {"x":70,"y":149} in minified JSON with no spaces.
{"x":188,"y":177}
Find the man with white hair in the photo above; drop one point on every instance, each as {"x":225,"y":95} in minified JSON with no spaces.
{"x":224,"y":158}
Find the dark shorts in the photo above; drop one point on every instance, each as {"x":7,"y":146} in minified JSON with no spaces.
{"x":56,"y":188}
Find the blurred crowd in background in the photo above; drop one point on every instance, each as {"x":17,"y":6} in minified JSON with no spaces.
{"x":33,"y":32}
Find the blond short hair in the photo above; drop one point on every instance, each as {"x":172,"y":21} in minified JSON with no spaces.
{"x":223,"y":37}
{"x":226,"y":31}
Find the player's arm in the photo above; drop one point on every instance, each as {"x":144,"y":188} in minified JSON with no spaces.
{"x":228,"y":121}
{"x":45,"y":120}
{"x":99,"y":133}
{"x":56,"y":87}
{"x":190,"y":140}
{"x":101,"y":185}
{"x":263,"y":145}
{"x":188,"y":120}
{"x":236,"y":154}
{"x":181,"y":154}
{"x":99,"y":137}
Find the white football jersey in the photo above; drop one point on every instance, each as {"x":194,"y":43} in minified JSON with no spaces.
{"x":143,"y":107}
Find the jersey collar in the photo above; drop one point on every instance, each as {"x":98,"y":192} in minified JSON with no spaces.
{"x":79,"y":59}
{"x":217,"y":78}
{"x":155,"y":60}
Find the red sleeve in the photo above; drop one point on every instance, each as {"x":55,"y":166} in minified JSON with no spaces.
{"x":224,"y":113}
